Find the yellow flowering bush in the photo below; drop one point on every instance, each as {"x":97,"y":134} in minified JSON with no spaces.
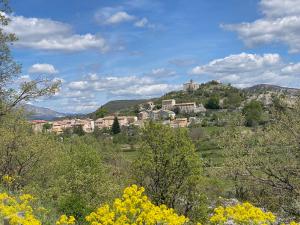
{"x":17,"y":210}
{"x":65,"y":220}
{"x":7,"y":179}
{"x":134,"y":208}
{"x":244,"y":213}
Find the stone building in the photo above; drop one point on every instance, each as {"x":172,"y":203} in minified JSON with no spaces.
{"x":179,"y":122}
{"x":188,"y":107}
{"x":191,"y":86}
{"x":161,"y":115}
{"x":107,"y":122}
{"x":144,"y":115}
{"x":168,"y":104}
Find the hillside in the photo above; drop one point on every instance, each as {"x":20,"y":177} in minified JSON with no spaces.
{"x":119,"y":105}
{"x":229,"y":96}
{"x":272,"y":88}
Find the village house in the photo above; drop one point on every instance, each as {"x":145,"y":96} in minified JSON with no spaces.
{"x":154,"y":115}
{"x":179,"y":122}
{"x":161,"y":114}
{"x":104,"y":122}
{"x":191,"y":86}
{"x":144,"y":115}
{"x":167,"y":114}
{"x":58,"y":127}
{"x":88,"y":125}
{"x":38,"y":125}
{"x":188,"y":107}
{"x":168,"y":104}
{"x":107,"y":122}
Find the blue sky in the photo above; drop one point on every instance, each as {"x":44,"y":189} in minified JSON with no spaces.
{"x":104,"y":50}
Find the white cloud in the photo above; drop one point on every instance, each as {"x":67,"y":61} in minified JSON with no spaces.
{"x":279,"y":8}
{"x":88,"y":93}
{"x":162,"y":72}
{"x":144,"y":23}
{"x":248,"y":69}
{"x":126,"y":86}
{"x":47,"y":34}
{"x":280,"y":24}
{"x":145,"y":90}
{"x":110,"y":16}
{"x":42,"y":69}
{"x":117,"y":15}
{"x":292,"y":69}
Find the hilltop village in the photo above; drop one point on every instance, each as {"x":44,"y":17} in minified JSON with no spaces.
{"x":202,"y":104}
{"x":147,"y":111}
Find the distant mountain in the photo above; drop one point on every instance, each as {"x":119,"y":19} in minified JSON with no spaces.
{"x":273,"y":88}
{"x":41,"y":113}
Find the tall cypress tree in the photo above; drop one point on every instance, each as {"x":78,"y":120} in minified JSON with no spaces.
{"x":115,"y":129}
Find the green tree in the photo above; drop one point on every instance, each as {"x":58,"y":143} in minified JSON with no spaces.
{"x":101,"y":112}
{"x":253,"y":112}
{"x":22,"y":152}
{"x":233,"y":100}
{"x":169,"y":168}
{"x":213,"y":102}
{"x":263,"y":164}
{"x":115,"y":129}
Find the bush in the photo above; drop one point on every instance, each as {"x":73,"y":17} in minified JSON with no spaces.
{"x":253,"y":113}
{"x":213,"y":103}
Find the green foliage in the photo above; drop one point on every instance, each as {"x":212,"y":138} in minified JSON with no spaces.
{"x":233,"y":100}
{"x":115,"y":129}
{"x":22,"y":152}
{"x":101,"y":112}
{"x":78,"y":130}
{"x":263,"y":164}
{"x":253,"y":112}
{"x":47,"y":126}
{"x":213,"y":102}
{"x":170,"y":169}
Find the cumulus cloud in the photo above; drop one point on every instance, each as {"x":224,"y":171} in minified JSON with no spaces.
{"x":47,"y":34}
{"x":248,"y":69}
{"x":110,"y":16}
{"x":42,"y":69}
{"x":280,"y":24}
{"x":145,"y":90}
{"x":125,"y":86}
{"x":117,"y":15}
{"x":83,"y":95}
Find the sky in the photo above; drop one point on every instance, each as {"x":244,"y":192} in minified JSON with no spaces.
{"x":104,"y":50}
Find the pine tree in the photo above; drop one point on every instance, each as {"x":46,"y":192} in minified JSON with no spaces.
{"x":115,"y":129}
